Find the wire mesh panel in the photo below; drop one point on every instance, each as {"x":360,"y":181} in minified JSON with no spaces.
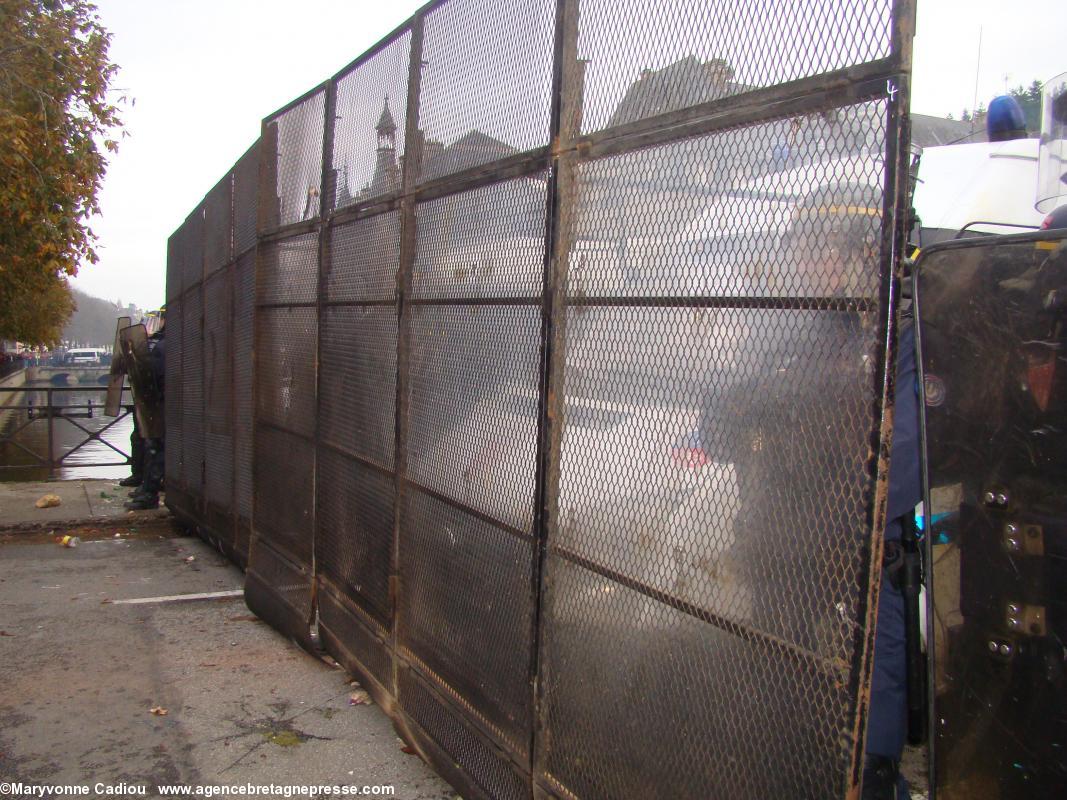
{"x":244,"y":287}
{"x":294,"y":168}
{"x":713,"y":536}
{"x":285,"y":370}
{"x":174,"y":265}
{"x":467,"y":523}
{"x":278,"y":586}
{"x":357,"y":440}
{"x":288,"y":271}
{"x":173,"y":451}
{"x":645,"y":59}
{"x":218,"y":381}
{"x":486,"y":82}
{"x":371,"y":111}
{"x":245,"y":200}
{"x":278,"y":583}
{"x":358,"y":381}
{"x":484,"y":243}
{"x":218,"y":225}
{"x":193,"y":249}
{"x":192,"y":389}
{"x":357,"y":422}
{"x":364,"y":259}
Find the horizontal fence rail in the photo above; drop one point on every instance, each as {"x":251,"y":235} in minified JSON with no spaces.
{"x":566,"y":424}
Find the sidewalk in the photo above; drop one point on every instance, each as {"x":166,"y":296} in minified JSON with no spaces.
{"x":81,"y":501}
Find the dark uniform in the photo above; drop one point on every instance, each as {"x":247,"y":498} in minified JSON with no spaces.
{"x":154,"y":459}
{"x":887,"y":716}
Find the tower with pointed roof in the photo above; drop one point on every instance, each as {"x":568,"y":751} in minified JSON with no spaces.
{"x":386,"y":173}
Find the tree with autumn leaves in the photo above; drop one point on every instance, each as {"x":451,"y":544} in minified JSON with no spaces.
{"x":56,"y":124}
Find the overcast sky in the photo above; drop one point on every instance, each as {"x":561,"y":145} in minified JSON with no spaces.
{"x":203,"y":73}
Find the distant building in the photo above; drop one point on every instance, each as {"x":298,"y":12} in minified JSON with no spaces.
{"x":927,"y":131}
{"x":686,"y":82}
{"x":685,"y":175}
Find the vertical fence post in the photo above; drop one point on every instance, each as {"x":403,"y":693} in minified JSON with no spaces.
{"x":51,"y":432}
{"x":327,"y":190}
{"x":567,"y":80}
{"x":266,"y":218}
{"x":231,"y":357}
{"x":408,"y":242}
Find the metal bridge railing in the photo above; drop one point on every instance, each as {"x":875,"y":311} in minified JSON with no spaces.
{"x":50,"y":413}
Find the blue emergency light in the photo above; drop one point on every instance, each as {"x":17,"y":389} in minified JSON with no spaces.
{"x":1005,"y":119}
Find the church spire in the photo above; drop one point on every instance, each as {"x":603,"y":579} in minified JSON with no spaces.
{"x":386,"y":177}
{"x":386,"y":128}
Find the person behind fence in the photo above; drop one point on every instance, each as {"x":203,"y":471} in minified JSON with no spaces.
{"x":136,"y":476}
{"x":147,"y":495}
{"x":795,"y":426}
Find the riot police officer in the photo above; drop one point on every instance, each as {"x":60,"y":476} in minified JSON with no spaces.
{"x":147,"y":496}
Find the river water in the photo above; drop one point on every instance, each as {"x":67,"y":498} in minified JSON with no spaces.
{"x":18,"y":465}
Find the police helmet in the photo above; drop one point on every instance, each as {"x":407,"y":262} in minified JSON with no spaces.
{"x":835,"y":238}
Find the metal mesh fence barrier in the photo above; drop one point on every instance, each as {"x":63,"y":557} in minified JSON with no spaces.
{"x":566,"y":425}
{"x":211,"y":282}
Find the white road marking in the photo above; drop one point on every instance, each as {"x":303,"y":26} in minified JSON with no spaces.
{"x":174,"y":598}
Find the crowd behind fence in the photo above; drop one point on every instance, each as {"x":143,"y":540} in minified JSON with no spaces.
{"x":503,"y":363}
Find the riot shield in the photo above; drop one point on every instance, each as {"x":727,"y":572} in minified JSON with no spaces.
{"x":147,"y":394}
{"x":991,"y":319}
{"x":117,"y":377}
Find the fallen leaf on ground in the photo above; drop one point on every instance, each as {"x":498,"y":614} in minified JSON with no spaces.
{"x":244,"y":618}
{"x":48,"y":501}
{"x":360,"y":698}
{"x":159,"y":711}
{"x":5,"y":633}
{"x":409,"y":750}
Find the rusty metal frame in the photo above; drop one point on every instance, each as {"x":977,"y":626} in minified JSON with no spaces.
{"x":408,"y":243}
{"x":565,"y":123}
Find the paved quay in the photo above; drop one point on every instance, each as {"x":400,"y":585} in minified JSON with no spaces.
{"x":80,"y":501}
{"x":140,"y":617}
